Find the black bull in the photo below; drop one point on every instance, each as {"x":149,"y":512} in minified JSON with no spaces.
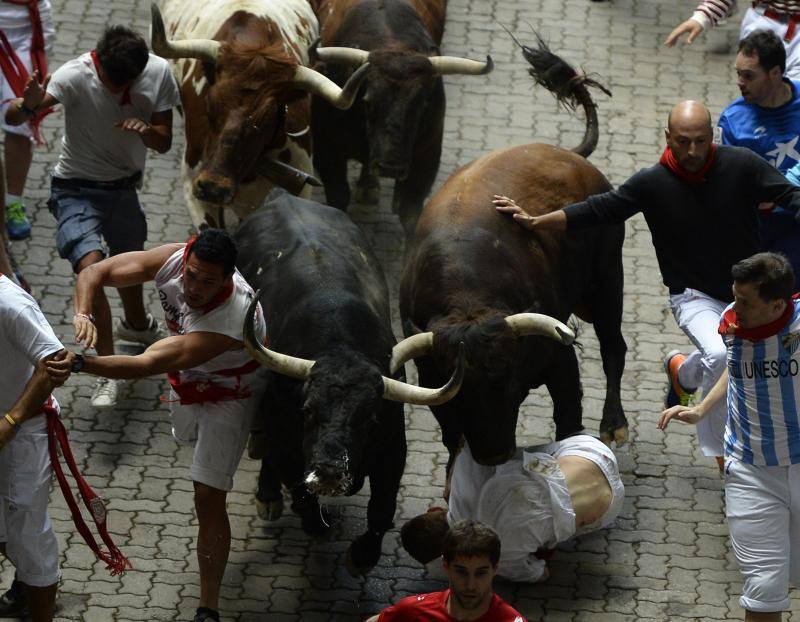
{"x":327,"y":416}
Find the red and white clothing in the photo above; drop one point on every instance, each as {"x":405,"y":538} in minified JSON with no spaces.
{"x":433,"y":608}
{"x":15,"y":22}
{"x":25,"y":468}
{"x":212,"y":404}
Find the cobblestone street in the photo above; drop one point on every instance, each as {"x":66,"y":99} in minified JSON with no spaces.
{"x":668,"y":557}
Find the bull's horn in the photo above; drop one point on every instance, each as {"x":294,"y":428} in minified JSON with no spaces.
{"x":522,"y":324}
{"x":341,"y":97}
{"x":410,"y":348}
{"x":204,"y":49}
{"x":448,"y":65}
{"x":398,"y":391}
{"x":286,"y":176}
{"x":291,"y":366}
{"x":352,"y":57}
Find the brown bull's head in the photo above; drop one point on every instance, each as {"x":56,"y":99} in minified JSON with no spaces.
{"x":403,"y":89}
{"x":249,"y":89}
{"x":485,"y":410}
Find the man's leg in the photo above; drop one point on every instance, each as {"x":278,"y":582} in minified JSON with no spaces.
{"x":18,"y":154}
{"x":213,"y":541}
{"x":754,"y":616}
{"x":41,"y":601}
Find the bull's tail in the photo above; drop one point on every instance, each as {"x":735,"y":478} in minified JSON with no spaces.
{"x":570,"y":88}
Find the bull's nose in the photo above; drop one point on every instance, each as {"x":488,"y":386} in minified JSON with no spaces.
{"x":212,"y":192}
{"x":392,"y":171}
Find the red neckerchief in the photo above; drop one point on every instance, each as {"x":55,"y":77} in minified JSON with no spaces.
{"x":15,"y":72}
{"x":668,"y":160}
{"x":222,"y":295}
{"x":126,"y":94}
{"x":115,"y":561}
{"x":729,"y":324}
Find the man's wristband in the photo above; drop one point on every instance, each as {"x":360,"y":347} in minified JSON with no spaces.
{"x":31,"y":112}
{"x":85,"y":316}
{"x":11,"y":420}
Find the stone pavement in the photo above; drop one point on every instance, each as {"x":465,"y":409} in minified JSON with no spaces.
{"x":668,"y":558}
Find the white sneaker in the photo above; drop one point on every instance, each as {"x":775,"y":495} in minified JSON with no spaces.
{"x":105,"y":393}
{"x":147,"y":337}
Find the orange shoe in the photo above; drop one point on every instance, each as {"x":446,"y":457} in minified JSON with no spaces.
{"x":676,"y":393}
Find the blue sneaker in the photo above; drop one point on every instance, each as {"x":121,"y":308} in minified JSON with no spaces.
{"x":18,"y":226}
{"x":677,"y":394}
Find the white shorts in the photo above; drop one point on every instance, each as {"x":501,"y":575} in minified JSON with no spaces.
{"x":20,"y":41}
{"x":219,"y":432}
{"x":754,"y":19}
{"x":762,"y":504}
{"x":25,"y":527}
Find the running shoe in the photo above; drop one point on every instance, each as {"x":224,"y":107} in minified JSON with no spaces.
{"x":18,"y":226}
{"x":105,"y":393}
{"x":13,"y":603}
{"x":677,"y":394}
{"x":147,"y":337}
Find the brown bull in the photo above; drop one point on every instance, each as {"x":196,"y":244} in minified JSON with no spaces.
{"x":244,"y":92}
{"x":473,"y":275}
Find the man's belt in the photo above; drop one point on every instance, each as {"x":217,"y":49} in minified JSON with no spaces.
{"x":790,"y":19}
{"x":126,"y":183}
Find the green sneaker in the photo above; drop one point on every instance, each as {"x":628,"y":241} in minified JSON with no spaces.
{"x":18,"y":226}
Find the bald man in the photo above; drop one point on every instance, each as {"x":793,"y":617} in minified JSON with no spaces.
{"x":701,"y":204}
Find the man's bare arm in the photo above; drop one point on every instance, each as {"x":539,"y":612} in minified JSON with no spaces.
{"x":34,"y":98}
{"x":170,"y":354}
{"x":121,"y":270}
{"x":555,"y":221}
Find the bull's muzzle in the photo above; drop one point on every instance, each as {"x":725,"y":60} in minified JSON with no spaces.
{"x":214,"y":190}
{"x":391,"y":171}
{"x":329,"y":480}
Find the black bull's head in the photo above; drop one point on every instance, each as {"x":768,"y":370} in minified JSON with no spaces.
{"x":486,"y":411}
{"x":343,"y":394}
{"x":246,"y":101}
{"x":399,"y":90}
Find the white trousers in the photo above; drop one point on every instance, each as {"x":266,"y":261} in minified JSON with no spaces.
{"x":762,"y":504}
{"x":698,"y":315}
{"x":755,"y":20}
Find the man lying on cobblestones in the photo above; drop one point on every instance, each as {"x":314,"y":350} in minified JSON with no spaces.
{"x":215,"y":384}
{"x":470,"y":552}
{"x":118,"y":102}
{"x":546,"y":494}
{"x":761,"y":330}
{"x":701,"y":205}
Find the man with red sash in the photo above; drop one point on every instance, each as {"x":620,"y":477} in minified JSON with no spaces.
{"x":117,"y":102}
{"x":30,"y":431}
{"x":701,"y":205}
{"x":216,"y":385}
{"x":761,"y":330}
{"x":27,"y":34}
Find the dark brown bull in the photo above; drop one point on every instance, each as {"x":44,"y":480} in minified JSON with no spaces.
{"x":244,"y":91}
{"x":473,"y":275}
{"x":395,"y":128}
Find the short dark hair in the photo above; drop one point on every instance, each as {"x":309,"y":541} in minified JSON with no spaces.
{"x":470,"y":538}
{"x":771,"y":273}
{"x":122,"y":53}
{"x":423,"y":535}
{"x":767,"y":46}
{"x":215,"y":246}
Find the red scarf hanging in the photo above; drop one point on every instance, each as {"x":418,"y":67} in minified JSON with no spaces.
{"x":13,"y":69}
{"x":126,"y":94}
{"x":115,"y":561}
{"x":729,"y":325}
{"x":669,"y":161}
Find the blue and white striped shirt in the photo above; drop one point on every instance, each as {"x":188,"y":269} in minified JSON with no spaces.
{"x":763,"y":424}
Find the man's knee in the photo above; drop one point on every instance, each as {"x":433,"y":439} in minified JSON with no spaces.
{"x":208,"y":499}
{"x":714,"y":359}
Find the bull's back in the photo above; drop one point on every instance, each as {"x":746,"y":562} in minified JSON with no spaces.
{"x":331,"y":14}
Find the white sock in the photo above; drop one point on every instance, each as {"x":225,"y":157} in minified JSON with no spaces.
{"x":12,"y":198}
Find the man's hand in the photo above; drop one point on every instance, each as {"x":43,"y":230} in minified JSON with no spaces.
{"x":34,"y":92}
{"x":507,"y":206}
{"x":59,"y":367}
{"x":85,"y":331}
{"x":134,"y":125}
{"x":691,"y":26}
{"x":681,"y":413}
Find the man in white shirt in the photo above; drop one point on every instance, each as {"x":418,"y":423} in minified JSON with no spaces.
{"x":26,"y":534}
{"x":544,"y":495}
{"x":117,"y":101}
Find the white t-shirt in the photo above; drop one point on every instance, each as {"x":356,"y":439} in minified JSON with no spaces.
{"x":226,"y":318}
{"x":92,"y":148}
{"x":17,"y":16}
{"x":25,"y":337}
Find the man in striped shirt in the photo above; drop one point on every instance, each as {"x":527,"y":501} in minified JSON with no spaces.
{"x":781,"y":17}
{"x":761,"y":330}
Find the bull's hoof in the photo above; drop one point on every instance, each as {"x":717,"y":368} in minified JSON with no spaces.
{"x":364,"y":553}
{"x":619,"y":436}
{"x":367,"y":195}
{"x":269,"y":510}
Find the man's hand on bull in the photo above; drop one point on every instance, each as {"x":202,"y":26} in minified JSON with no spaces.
{"x":85,"y":330}
{"x":34,"y":91}
{"x":556,"y":220}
